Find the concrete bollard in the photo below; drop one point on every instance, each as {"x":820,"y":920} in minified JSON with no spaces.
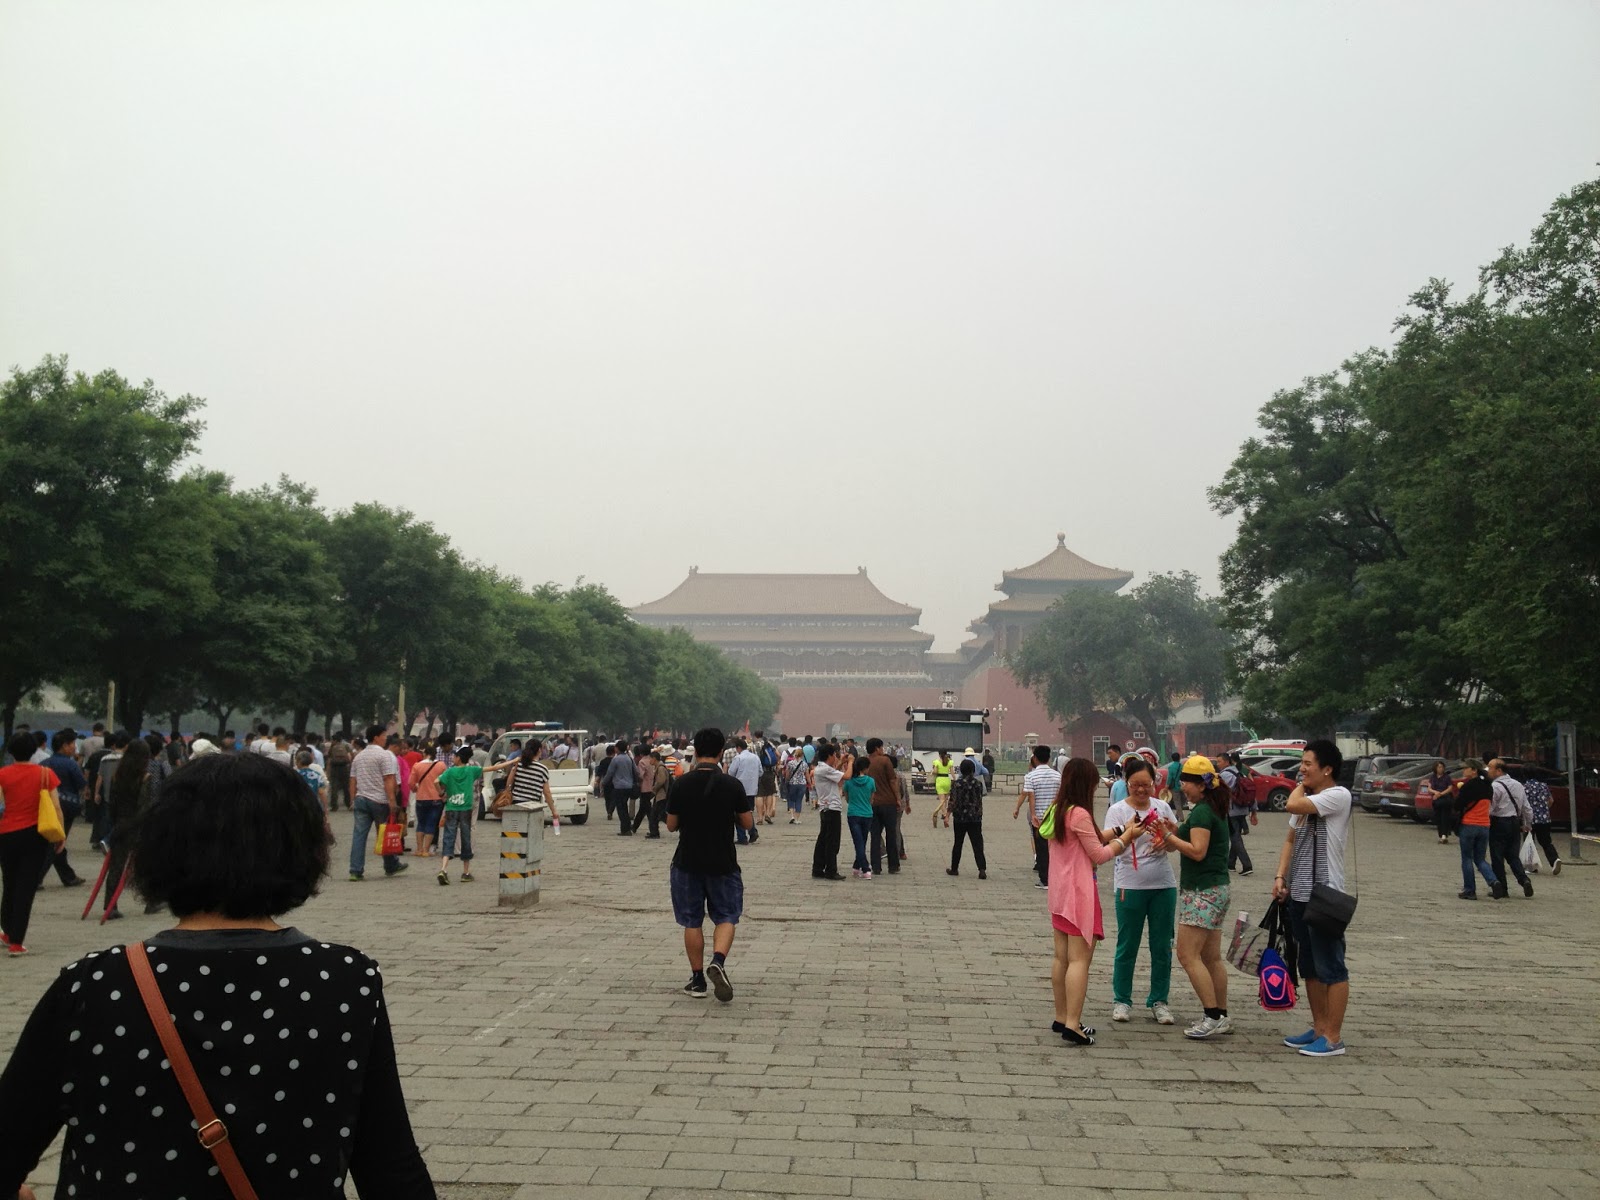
{"x":521,"y":856}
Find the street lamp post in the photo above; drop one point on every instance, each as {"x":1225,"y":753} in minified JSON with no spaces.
{"x":999,"y":711}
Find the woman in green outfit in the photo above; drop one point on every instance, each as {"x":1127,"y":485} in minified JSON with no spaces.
{"x":1146,"y":893}
{"x":1203,"y":841}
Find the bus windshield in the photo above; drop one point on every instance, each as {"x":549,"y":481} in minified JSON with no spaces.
{"x":954,"y":736}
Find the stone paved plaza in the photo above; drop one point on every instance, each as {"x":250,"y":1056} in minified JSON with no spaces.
{"x":890,"y":1038}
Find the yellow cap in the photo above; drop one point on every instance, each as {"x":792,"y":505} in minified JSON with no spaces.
{"x":1201,"y":768}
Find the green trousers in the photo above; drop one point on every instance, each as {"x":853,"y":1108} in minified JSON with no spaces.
{"x":1157,"y":908}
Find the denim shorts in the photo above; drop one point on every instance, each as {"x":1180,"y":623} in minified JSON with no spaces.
{"x":428,"y":814}
{"x":1321,"y":955}
{"x":693,"y":894}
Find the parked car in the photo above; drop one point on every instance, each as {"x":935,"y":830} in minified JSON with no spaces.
{"x":1369,"y":765}
{"x":1268,"y":789}
{"x":1556,"y":781}
{"x":1394,"y":791}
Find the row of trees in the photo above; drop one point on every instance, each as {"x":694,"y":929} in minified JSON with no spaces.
{"x":1418,"y":548}
{"x":1419,"y":531}
{"x":192,"y":595}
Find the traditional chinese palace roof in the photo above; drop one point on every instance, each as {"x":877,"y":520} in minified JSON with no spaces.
{"x":705,"y":596}
{"x":1062,"y":566}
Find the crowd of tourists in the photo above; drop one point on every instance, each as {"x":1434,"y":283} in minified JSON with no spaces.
{"x":1172,"y":833}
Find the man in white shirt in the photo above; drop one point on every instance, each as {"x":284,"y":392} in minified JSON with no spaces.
{"x":93,"y":744}
{"x":1314,"y":853}
{"x":1510,"y":816}
{"x":374,"y":778}
{"x":828,"y":778}
{"x":1039,"y":788}
{"x":746,"y":768}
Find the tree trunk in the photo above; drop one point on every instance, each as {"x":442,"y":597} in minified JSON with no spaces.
{"x":10,"y":715}
{"x":176,"y":720}
{"x":301,"y":717}
{"x":327,"y":727}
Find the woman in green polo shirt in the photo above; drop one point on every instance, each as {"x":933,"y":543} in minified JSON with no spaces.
{"x":1203,"y":840}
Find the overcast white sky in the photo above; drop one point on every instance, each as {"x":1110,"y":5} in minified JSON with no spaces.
{"x":764,"y":286}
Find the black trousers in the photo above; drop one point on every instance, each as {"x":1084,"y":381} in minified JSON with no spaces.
{"x":1541,"y":834}
{"x":965,"y":830}
{"x":624,"y":813}
{"x":22,"y":864}
{"x":64,"y":871}
{"x":1041,"y":858}
{"x":1444,"y":816}
{"x":339,"y":786}
{"x":650,"y":809}
{"x":825,"y":858}
{"x":885,"y":838}
{"x":1505,"y":848}
{"x":1237,"y":829}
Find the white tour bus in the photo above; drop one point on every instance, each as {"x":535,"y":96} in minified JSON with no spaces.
{"x":935,"y":729}
{"x":570,"y":780}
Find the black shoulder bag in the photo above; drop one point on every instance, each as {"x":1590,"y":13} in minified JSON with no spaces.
{"x":1329,"y":910}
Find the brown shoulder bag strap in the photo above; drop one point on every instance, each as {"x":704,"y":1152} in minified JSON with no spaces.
{"x":213,"y":1134}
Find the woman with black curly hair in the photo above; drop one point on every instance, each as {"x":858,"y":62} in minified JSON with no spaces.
{"x":288,"y":1037}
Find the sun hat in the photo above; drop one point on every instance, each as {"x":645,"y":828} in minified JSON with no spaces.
{"x":1197,"y":768}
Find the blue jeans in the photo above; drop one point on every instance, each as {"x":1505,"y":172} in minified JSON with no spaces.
{"x":1474,"y":841}
{"x":454,"y":823}
{"x":1321,"y":955}
{"x":859,"y":828}
{"x":367,"y":814}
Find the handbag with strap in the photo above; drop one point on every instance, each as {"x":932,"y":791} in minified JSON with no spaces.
{"x":212,"y":1134}
{"x":504,"y":797}
{"x":49,"y":819}
{"x":1329,"y":910}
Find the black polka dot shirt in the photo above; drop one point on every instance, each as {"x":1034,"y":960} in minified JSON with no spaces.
{"x":289,"y":1037}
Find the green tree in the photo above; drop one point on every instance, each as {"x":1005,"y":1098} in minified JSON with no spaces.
{"x":1136,"y":653}
{"x":1419,"y":539}
{"x":85,"y":479}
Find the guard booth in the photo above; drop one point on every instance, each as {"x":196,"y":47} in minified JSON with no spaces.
{"x":521,"y":857}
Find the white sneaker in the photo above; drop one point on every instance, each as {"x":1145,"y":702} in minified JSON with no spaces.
{"x":1162,"y":1014}
{"x":1121,"y":1012}
{"x":1203,"y":1028}
{"x":1224,"y":1024}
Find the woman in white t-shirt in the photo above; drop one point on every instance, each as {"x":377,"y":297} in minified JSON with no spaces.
{"x":1146,"y":895}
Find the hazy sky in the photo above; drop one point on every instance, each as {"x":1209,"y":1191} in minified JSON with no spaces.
{"x":605,"y":290}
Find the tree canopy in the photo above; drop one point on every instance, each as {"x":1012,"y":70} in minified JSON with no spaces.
{"x":1136,"y":653}
{"x":1419,"y":531}
{"x":193,"y":595}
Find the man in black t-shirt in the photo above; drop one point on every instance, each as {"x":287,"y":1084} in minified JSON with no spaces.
{"x":703,"y":808}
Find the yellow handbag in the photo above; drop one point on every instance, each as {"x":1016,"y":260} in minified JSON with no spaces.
{"x":50,"y":827}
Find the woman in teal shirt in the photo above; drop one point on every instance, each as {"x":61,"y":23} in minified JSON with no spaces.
{"x":858,"y":791}
{"x":1203,"y":841}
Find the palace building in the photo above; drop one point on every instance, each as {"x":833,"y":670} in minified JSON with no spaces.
{"x":843,"y":654}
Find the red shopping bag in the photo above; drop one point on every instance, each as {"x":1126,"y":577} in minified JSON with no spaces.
{"x":393,"y":840}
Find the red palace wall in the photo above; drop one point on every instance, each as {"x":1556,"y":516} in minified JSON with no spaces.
{"x":1025,"y":714}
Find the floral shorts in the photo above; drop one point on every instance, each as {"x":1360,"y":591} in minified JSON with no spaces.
{"x":1204,"y":908}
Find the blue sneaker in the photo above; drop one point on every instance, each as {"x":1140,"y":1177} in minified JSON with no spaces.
{"x":1300,"y":1039}
{"x":1321,"y":1048}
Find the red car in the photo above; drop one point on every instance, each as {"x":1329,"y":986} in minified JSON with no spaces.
{"x":1588,"y":793}
{"x":1269,"y":790}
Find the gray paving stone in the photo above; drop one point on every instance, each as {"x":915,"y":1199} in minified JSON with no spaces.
{"x":890,"y":1038}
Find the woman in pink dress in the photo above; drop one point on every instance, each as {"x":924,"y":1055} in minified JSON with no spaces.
{"x":1076,"y":846}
